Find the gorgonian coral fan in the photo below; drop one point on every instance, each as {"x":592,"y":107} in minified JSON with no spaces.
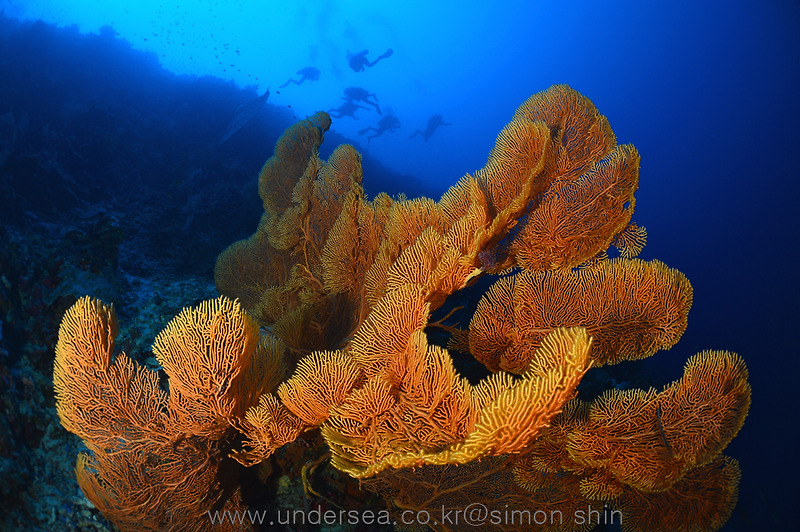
{"x":343,"y":288}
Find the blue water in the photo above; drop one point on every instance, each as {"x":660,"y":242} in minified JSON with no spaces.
{"x":706,"y":91}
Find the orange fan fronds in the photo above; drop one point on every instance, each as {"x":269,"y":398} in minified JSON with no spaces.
{"x":417,"y":262}
{"x":408,"y":219}
{"x":155,"y":487}
{"x":336,"y":178}
{"x":346,"y":287}
{"x":702,"y":500}
{"x":434,"y":401}
{"x":443,"y":419}
{"x":457,"y":200}
{"x":249,"y":267}
{"x":267,"y":426}
{"x":433,"y":264}
{"x":385,"y":333}
{"x":321,"y":381}
{"x":149,"y":467}
{"x":631,"y":308}
{"x":549,"y":452}
{"x":650,"y":440}
{"x":557,"y":498}
{"x":353,"y":243}
{"x":577,"y":218}
{"x":98,"y":397}
{"x":293,"y":151}
{"x":630,"y":241}
{"x":519,"y":154}
{"x":600,"y":485}
{"x":704,"y":410}
{"x":508,"y":424}
{"x":362,"y":430}
{"x":451,"y":491}
{"x":414,"y":408}
{"x":209,"y":353}
{"x":278,"y":272}
{"x":582,"y":134}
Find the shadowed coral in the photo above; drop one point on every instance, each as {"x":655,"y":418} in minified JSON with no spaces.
{"x":277,"y":272}
{"x":450,"y":490}
{"x":702,"y":500}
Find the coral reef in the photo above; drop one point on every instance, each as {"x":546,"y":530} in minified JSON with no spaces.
{"x":343,"y":288}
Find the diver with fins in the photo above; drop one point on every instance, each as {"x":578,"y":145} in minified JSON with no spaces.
{"x":433,"y":124}
{"x":307,"y":73}
{"x":358,"y":61}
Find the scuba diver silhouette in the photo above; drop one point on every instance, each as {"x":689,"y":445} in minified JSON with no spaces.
{"x":348,"y":108}
{"x":357,"y":94}
{"x":358,"y":61}
{"x":433,"y":124}
{"x":387,"y":123}
{"x":307,"y":73}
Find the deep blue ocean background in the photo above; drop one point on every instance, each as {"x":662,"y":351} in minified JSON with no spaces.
{"x":133,"y":125}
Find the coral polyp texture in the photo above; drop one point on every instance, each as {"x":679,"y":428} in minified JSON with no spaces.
{"x":320,"y":330}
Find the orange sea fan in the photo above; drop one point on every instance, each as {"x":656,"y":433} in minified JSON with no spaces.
{"x":414,"y":406}
{"x":717,"y":380}
{"x":155,"y":488}
{"x":600,"y":485}
{"x":631,"y":308}
{"x":216,"y":369}
{"x":336,"y":178}
{"x":449,"y":492}
{"x":649,"y":440}
{"x":363,"y":431}
{"x":321,"y":381}
{"x":556,"y":496}
{"x":409,"y":218}
{"x":532,"y":402}
{"x":98,"y":397}
{"x":148,"y":469}
{"x":267,"y":426}
{"x":353,"y":243}
{"x":583,"y":134}
{"x":385,"y":333}
{"x":522,"y":149}
{"x":278,"y":271}
{"x":249,"y":267}
{"x":417,"y":262}
{"x":436,"y":405}
{"x":549,"y":452}
{"x":579,"y":217}
{"x":630,"y":241}
{"x":380,"y":425}
{"x":433,"y":264}
{"x":702,"y":500}
{"x":294,"y":149}
{"x":346,"y":287}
